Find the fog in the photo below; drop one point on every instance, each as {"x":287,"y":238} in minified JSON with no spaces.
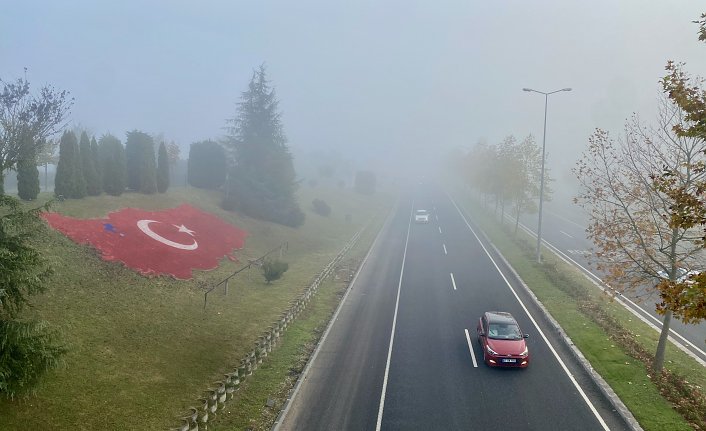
{"x":375,"y":83}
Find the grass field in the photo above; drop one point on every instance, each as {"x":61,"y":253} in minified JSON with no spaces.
{"x":141,"y":350}
{"x":627,"y":376}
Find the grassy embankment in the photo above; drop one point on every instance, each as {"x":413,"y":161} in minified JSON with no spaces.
{"x":583,"y":311}
{"x":141,"y":350}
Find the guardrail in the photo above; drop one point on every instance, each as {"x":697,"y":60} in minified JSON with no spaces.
{"x":220,"y":392}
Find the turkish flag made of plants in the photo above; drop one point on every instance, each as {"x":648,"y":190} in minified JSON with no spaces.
{"x":173,"y":241}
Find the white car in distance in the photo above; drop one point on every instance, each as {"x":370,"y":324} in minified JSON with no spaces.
{"x":421,"y":216}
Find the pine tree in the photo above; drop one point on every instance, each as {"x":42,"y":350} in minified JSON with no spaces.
{"x":28,"y":348}
{"x":96,"y":163}
{"x":162,"y":169}
{"x":79,"y":175}
{"x":112,"y":159}
{"x":141,"y":166}
{"x":28,"y":174}
{"x":64,"y":183}
{"x":206,"y":166}
{"x":87,"y":167}
{"x":261,"y":180}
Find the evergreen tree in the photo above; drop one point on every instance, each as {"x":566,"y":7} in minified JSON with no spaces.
{"x":97,"y":165}
{"x":79,"y":178}
{"x":162,"y":169}
{"x":27,"y":348}
{"x":64,"y":182}
{"x":206,"y":165}
{"x":261,"y":181}
{"x":28,"y":174}
{"x":112,"y":159}
{"x":90,"y":173}
{"x":141,"y":166}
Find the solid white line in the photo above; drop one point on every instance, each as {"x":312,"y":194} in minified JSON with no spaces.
{"x":470,"y":347}
{"x":453,"y":281}
{"x":439,"y":229}
{"x":307,"y":368}
{"x":561,"y":231}
{"x":546,"y":340}
{"x":392,"y":333}
{"x":445,"y":252}
{"x":623,"y":300}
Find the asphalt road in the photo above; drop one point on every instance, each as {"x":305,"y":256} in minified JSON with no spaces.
{"x":397,"y":355}
{"x":565,"y":232}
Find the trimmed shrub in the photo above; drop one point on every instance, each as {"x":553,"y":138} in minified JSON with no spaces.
{"x":274,"y":269}
{"x":321,"y":207}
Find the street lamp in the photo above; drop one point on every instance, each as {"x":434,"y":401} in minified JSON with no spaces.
{"x":541,"y":180}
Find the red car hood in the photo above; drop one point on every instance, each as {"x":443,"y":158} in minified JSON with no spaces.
{"x":507,"y":347}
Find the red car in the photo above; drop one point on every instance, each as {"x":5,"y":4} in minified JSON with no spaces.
{"x":502,"y":341}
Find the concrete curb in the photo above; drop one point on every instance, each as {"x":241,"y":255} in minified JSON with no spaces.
{"x":603,"y":386}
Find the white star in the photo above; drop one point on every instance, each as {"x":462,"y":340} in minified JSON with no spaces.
{"x":184,"y":229}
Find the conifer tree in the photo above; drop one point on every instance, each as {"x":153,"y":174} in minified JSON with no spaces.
{"x":28,"y":174}
{"x":90,"y":174}
{"x":97,"y":165}
{"x":64,"y":182}
{"x":141,"y":166}
{"x":206,"y":167}
{"x":261,"y":181}
{"x":112,"y":159}
{"x":162,"y":169}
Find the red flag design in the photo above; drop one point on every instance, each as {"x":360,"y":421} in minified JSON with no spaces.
{"x":173,"y":241}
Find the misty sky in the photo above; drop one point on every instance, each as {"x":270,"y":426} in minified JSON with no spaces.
{"x":371,"y":78}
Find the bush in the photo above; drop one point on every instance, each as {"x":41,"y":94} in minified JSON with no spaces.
{"x":273,"y":270}
{"x":321,"y":207}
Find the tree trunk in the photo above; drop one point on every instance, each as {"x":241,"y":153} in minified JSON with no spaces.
{"x":46,"y":187}
{"x":662,"y":345}
{"x":517,"y":220}
{"x":2,"y":182}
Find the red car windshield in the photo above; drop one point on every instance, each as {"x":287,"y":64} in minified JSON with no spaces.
{"x":504,"y":331}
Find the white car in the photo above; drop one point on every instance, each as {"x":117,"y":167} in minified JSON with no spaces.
{"x":683,"y":275}
{"x":421,"y":216}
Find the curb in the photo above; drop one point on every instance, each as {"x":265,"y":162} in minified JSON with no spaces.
{"x":603,"y":386}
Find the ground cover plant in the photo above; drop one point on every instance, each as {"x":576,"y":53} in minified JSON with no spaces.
{"x":141,"y":350}
{"x":618,"y":346}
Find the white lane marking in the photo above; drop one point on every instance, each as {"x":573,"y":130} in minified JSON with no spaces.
{"x":436,"y":217}
{"x":439,"y":229}
{"x":561,"y":231}
{"x":566,"y":219}
{"x":544,"y":337}
{"x":470,"y":347}
{"x":453,"y":281}
{"x":627,"y":303}
{"x":305,"y":373}
{"x":394,"y":325}
{"x":445,"y":252}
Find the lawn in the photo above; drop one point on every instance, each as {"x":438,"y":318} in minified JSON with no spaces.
{"x":141,"y":350}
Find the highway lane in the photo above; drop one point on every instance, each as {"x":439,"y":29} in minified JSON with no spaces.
{"x":425,"y":374}
{"x":566,"y":233}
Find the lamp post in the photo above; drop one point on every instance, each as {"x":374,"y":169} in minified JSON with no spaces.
{"x":541,"y":179}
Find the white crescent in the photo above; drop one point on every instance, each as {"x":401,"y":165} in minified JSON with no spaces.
{"x":144,"y":226}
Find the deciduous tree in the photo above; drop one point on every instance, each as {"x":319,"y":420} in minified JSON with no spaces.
{"x":28,"y":120}
{"x":631,"y":220}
